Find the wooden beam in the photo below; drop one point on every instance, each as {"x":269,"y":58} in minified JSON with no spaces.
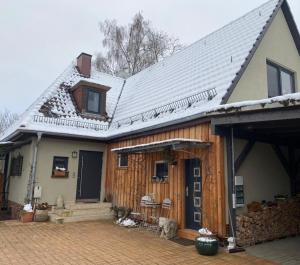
{"x":282,"y":158}
{"x":264,"y":115}
{"x":241,"y":158}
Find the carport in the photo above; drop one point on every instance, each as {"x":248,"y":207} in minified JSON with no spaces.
{"x":271,"y":143}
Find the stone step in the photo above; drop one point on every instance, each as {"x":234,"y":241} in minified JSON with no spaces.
{"x":66,"y":213}
{"x":76,"y":212}
{"x":81,"y":205}
{"x":68,"y":219}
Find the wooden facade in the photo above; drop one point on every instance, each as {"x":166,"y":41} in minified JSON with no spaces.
{"x":127,"y":186}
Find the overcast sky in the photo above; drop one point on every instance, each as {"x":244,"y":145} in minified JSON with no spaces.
{"x":39,"y":38}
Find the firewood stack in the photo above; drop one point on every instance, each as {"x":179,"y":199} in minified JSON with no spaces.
{"x":268,"y":223}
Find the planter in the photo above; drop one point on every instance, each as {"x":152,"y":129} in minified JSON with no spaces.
{"x":207,"y":246}
{"x":26,"y":217}
{"x":41,"y":216}
{"x":60,"y":174}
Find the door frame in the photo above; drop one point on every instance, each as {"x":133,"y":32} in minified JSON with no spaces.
{"x":101,"y":178}
{"x":183,"y":192}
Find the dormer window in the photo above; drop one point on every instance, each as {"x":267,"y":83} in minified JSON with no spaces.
{"x":93,"y":104}
{"x":90,"y":99}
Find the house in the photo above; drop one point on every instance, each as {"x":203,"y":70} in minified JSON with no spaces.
{"x":213,"y":127}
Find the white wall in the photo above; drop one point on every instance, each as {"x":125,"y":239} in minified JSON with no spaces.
{"x":264,"y":176}
{"x":277,"y":46}
{"x":52,"y":187}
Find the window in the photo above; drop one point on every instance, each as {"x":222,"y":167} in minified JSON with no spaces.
{"x":60,"y":166}
{"x":280,"y":80}
{"x":93,"y":101}
{"x":123,"y":160}
{"x":16,"y":166}
{"x":161,"y":171}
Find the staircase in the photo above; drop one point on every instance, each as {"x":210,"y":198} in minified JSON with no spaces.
{"x":78,"y":212}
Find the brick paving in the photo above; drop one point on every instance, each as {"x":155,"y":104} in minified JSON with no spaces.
{"x":98,"y":243}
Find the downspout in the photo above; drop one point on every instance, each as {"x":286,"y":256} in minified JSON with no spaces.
{"x":34,"y":163}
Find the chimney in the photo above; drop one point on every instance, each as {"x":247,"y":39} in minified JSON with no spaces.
{"x":84,"y":64}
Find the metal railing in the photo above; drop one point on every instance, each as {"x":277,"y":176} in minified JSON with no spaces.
{"x":185,"y":103}
{"x":69,"y":123}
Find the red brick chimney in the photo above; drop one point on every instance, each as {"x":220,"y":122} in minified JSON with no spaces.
{"x":84,"y":64}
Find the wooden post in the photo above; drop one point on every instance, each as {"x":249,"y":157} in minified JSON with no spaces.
{"x":230,"y":181}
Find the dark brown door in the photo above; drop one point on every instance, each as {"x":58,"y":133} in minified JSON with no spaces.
{"x":89,"y":176}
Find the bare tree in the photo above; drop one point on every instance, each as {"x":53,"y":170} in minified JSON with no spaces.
{"x":132,"y":48}
{"x":7,"y":118}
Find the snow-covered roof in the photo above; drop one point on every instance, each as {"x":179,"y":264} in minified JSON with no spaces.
{"x":192,"y":81}
{"x":55,"y":110}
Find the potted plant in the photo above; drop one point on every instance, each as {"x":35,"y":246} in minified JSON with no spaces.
{"x":60,"y":172}
{"x":25,"y":216}
{"x":207,"y":243}
{"x":41,"y":212}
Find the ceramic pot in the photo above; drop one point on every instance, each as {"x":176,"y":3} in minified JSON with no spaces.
{"x":207,"y":246}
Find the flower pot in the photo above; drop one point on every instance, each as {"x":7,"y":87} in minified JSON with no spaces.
{"x":26,"y":217}
{"x":41,"y":216}
{"x":207,"y":246}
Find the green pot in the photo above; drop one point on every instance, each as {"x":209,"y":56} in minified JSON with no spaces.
{"x":207,"y":248}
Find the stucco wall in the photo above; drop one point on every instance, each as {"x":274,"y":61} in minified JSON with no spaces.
{"x":52,"y":187}
{"x":263,"y":173}
{"x":277,"y":46}
{"x":18,"y":184}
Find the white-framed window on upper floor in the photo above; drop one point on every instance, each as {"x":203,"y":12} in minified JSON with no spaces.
{"x":281,"y":81}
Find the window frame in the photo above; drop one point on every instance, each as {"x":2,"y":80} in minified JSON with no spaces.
{"x":16,"y":166}
{"x":281,"y":69}
{"x":61,"y":157}
{"x":88,"y":90}
{"x":164,"y":178}
{"x":119,"y":160}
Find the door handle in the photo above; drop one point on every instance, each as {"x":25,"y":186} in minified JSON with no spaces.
{"x":187,"y":191}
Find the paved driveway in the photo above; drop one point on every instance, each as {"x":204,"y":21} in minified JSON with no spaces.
{"x":98,"y":243}
{"x":284,"y":251}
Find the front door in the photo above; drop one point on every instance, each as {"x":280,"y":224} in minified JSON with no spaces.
{"x":193,"y":190}
{"x":89,"y":176}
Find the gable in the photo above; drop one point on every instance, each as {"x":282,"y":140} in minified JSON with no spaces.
{"x":277,"y":46}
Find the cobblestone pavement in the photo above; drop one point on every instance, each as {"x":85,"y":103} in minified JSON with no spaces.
{"x":284,"y":251}
{"x":98,"y":243}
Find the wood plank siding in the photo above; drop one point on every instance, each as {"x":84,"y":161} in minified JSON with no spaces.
{"x":127,"y":186}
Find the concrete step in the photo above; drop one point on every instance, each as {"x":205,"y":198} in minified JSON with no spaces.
{"x":76,"y":212}
{"x":66,"y":213}
{"x":82,"y":205}
{"x":68,"y":219}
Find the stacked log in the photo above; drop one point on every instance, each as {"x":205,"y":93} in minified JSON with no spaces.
{"x":268,"y":223}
